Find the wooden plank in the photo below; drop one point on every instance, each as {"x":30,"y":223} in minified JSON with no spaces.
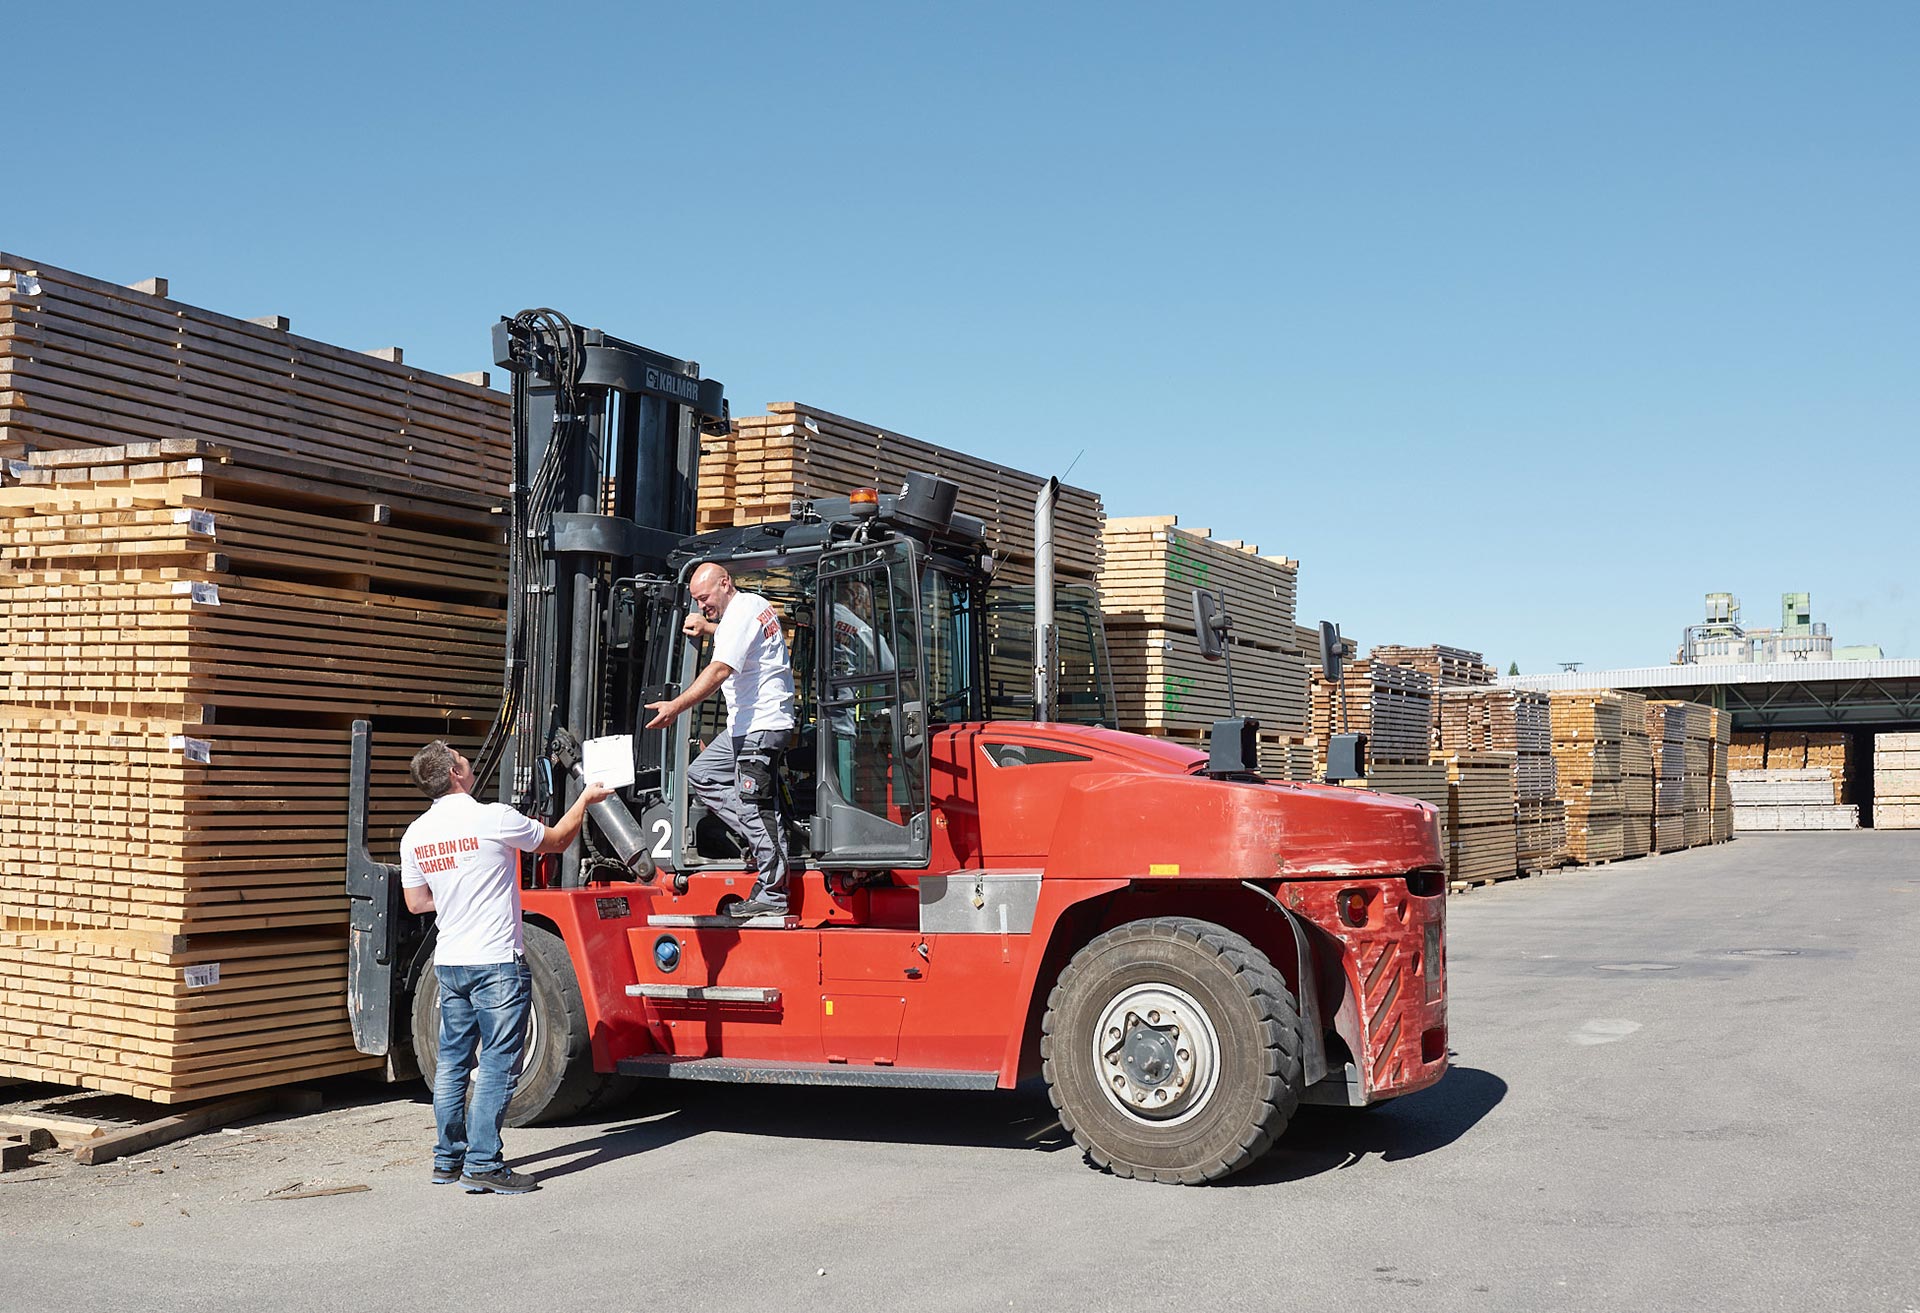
{"x":166,"y":1130}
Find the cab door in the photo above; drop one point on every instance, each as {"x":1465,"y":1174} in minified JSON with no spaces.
{"x":870,"y":806}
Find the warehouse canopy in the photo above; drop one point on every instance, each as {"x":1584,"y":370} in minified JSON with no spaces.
{"x":1775,"y":694}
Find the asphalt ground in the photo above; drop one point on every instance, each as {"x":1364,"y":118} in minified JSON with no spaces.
{"x":1682,"y":1082}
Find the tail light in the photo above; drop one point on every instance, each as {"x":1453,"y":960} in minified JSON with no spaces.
{"x":1353,"y":904}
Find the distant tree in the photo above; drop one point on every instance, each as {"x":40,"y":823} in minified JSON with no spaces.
{"x":1513,"y":667}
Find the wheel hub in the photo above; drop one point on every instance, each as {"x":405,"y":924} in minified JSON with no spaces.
{"x":1156,"y":1053}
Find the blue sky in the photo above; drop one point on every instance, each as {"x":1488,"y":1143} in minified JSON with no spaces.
{"x":1521,"y":325}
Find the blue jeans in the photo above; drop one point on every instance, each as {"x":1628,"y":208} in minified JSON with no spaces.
{"x":482,"y":1008}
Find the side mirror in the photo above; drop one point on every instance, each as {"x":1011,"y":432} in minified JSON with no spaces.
{"x":1210,"y":624}
{"x":1333,"y":652}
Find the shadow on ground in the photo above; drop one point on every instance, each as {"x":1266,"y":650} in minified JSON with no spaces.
{"x":1319,"y":1140}
{"x":1323,"y":1139}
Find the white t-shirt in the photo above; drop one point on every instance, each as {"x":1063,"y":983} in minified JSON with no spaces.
{"x":463,"y":850}
{"x":759,"y":692}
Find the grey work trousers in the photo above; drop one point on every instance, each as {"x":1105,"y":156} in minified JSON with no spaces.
{"x":735,"y":777}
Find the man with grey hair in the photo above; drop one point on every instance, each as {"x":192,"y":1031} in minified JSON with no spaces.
{"x":736,"y":776}
{"x":460,"y":860}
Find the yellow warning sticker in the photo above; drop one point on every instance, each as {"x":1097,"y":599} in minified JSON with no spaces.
{"x":829,"y":1003}
{"x":1164,"y":868}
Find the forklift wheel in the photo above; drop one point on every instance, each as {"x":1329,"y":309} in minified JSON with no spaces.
{"x":1171,"y":1048}
{"x":557,"y":1078}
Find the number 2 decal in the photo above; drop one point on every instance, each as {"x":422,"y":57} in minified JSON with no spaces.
{"x":663,"y":847}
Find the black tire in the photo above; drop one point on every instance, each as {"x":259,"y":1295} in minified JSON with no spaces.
{"x":557,"y":1079}
{"x":1228,"y":1012}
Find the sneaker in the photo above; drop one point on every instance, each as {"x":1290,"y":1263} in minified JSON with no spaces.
{"x":445,"y":1175}
{"x":500,"y":1181}
{"x":758,"y":905}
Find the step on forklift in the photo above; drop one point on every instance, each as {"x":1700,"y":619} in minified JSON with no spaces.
{"x":1182,"y":950}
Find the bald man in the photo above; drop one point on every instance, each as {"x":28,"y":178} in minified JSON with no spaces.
{"x":735,"y":777}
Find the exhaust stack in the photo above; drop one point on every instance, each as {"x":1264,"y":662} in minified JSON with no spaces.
{"x":1046,"y":639}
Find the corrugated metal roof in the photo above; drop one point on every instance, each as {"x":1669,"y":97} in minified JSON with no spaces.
{"x":1694,"y":676}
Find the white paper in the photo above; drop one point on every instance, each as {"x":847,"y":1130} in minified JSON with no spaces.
{"x":203,"y":593}
{"x":201,"y":976}
{"x":196,"y":521}
{"x":608,"y":760}
{"x":196,"y":749}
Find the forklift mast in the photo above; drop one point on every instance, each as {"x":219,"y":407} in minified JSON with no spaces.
{"x":606,"y":449}
{"x":606,"y":460}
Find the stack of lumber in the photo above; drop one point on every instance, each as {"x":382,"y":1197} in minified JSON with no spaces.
{"x":90,"y":364}
{"x":1636,"y":778}
{"x":1482,"y":838}
{"x":1390,"y":704}
{"x":1747,"y":750}
{"x":1667,"y":735}
{"x":1896,"y":781}
{"x":1697,"y":783}
{"x":1508,"y":720}
{"x":1588,"y":733}
{"x":1788,"y":800}
{"x":1719,"y":795}
{"x":1810,"y":750}
{"x":1162,"y":684}
{"x":1425,"y":780}
{"x":1445,"y":667}
{"x":1696,"y":730}
{"x":1286,"y":757}
{"x":796,"y":452}
{"x":1517,"y":722}
{"x":1541,"y":834}
{"x":222,"y":544}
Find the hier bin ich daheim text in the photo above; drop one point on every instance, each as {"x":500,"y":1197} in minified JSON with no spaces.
{"x":441,"y":856}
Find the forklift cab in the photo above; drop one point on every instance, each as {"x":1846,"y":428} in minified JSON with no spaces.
{"x":856,"y":771}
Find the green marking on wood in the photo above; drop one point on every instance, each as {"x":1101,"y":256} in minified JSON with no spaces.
{"x":1184,"y":565}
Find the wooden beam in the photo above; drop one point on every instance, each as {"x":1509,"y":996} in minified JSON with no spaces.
{"x":138,"y":1139}
{"x":151,"y":286}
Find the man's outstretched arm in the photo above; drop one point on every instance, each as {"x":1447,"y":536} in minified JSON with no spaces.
{"x":704,"y":686}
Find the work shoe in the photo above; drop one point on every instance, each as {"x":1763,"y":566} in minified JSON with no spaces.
{"x":445,"y":1175}
{"x":501,"y":1180}
{"x":758,"y":905}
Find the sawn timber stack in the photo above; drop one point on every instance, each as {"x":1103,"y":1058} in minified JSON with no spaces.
{"x":222,"y":544}
{"x":1149,"y":570}
{"x":794,"y":453}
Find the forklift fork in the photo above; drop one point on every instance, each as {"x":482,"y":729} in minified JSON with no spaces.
{"x":378,"y":922}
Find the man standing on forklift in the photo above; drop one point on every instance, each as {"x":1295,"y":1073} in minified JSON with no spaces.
{"x":735,"y":776}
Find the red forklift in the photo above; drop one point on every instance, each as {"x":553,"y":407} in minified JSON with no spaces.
{"x":982,"y":890}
